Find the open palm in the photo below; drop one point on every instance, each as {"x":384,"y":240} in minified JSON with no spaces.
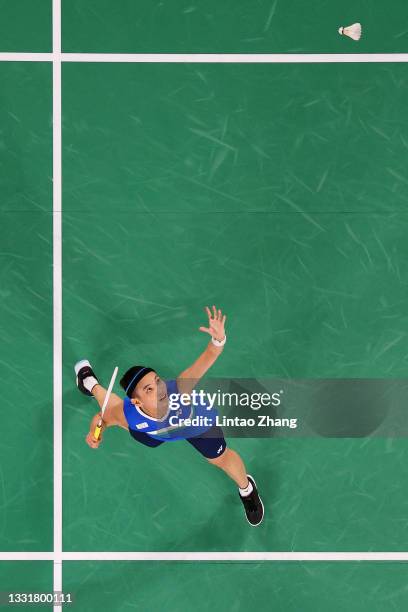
{"x":216,"y":324}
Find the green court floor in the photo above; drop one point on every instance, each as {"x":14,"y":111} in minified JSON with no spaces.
{"x":277,"y":192}
{"x":26,"y":451}
{"x":284,"y":587}
{"x":25,"y":577}
{"x":231,"y":26}
{"x":26,"y":26}
{"x":225,"y":138}
{"x":320,"y":495}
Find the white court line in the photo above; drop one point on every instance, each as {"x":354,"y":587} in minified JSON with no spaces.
{"x":26,"y":57}
{"x":232,"y":58}
{"x":57,"y":290}
{"x":212,"y":58}
{"x":207,"y":556}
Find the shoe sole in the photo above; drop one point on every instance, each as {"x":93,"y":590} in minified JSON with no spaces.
{"x":77,"y":368}
{"x":80,"y":364}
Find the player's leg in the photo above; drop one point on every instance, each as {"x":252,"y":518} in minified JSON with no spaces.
{"x":231,"y":463}
{"x":213,"y":447}
{"x":88,"y":383}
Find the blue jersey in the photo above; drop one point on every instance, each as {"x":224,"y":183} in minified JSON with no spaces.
{"x":171,"y":426}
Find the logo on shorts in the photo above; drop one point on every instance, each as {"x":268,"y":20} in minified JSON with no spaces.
{"x":220,"y":449}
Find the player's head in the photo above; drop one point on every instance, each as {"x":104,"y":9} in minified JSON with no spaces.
{"x":144,"y":387}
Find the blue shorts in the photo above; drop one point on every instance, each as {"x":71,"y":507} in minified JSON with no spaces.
{"x":211,"y":444}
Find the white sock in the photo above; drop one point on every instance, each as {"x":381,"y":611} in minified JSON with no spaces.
{"x":89,"y":383}
{"x":247,"y":491}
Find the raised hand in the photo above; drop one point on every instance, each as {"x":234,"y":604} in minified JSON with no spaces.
{"x":216,"y":323}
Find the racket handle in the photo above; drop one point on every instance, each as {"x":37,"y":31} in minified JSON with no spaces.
{"x":98,"y":429}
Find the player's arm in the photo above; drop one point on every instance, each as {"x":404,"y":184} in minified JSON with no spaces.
{"x":188,"y":379}
{"x":113,"y":415}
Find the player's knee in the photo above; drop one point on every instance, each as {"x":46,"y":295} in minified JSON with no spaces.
{"x":221,"y":460}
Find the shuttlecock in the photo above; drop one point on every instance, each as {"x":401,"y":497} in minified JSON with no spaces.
{"x":353,"y":31}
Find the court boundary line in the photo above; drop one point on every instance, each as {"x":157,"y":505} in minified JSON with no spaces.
{"x":208,"y":556}
{"x":57,"y":293}
{"x":212,"y":58}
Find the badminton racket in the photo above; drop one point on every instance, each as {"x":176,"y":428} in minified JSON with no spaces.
{"x":98,"y":427}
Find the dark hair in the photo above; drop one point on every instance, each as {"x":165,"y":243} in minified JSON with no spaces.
{"x":133,"y":375}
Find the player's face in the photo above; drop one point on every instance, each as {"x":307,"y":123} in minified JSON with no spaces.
{"x":152,"y":393}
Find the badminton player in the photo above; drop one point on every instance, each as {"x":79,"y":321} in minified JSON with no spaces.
{"x":145,"y":412}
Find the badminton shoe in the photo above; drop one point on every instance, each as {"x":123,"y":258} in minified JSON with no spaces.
{"x":85,"y":377}
{"x":253,"y":505}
